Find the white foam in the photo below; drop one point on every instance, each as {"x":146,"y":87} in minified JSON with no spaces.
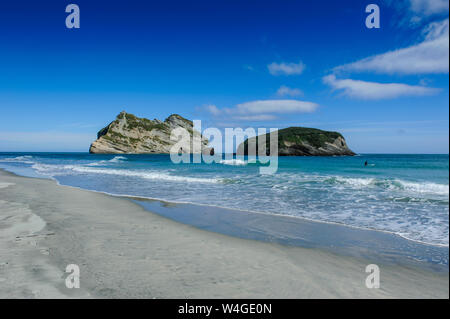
{"x":54,"y":170}
{"x":396,"y":184}
{"x":19,"y":159}
{"x":356,"y":182}
{"x":116,"y":159}
{"x":236,"y":162}
{"x":429,"y":188}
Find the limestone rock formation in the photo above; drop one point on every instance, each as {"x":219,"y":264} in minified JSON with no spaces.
{"x":133,"y":135}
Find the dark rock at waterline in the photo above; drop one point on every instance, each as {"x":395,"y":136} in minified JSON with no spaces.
{"x":302,"y":141}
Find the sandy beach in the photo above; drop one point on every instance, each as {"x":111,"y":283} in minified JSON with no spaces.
{"x":125,"y":251}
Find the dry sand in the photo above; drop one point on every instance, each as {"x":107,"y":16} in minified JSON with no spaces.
{"x":124,"y":251}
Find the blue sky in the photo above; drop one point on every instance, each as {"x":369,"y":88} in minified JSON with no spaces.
{"x":230,"y":64}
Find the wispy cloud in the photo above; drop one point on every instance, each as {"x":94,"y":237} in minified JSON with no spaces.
{"x":429,"y":56}
{"x":262,"y":110}
{"x":286,"y":68}
{"x":214,"y":110}
{"x":428,"y":7}
{"x":436,"y":30}
{"x":276,"y":106}
{"x":412,"y":13}
{"x":374,"y":90}
{"x":256,"y":118}
{"x":287,"y":91}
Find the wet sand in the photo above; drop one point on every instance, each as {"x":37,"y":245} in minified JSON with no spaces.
{"x":125,"y":251}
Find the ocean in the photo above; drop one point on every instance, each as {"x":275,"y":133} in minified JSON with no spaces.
{"x":406,"y":195}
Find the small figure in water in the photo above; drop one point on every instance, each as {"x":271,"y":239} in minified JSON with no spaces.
{"x":365,"y":163}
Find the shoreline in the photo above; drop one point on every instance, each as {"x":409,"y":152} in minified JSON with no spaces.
{"x":370,"y":244}
{"x":405,"y":251}
{"x":386,"y":246}
{"x":300,"y":218}
{"x":125,"y":251}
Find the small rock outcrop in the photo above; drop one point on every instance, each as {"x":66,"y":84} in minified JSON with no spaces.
{"x":303,"y":141}
{"x":129,"y":134}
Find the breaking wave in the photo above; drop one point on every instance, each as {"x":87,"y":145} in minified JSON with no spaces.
{"x":19,"y":159}
{"x":55,"y":170}
{"x":235,"y":162}
{"x":116,"y":159}
{"x":393,"y":184}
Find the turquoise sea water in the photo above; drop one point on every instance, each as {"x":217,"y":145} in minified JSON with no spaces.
{"x":404,"y":194}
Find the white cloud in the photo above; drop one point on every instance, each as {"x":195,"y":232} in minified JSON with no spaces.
{"x":262,"y":110}
{"x":260,"y":117}
{"x":276,"y":106}
{"x":287,"y":91}
{"x":436,"y":30}
{"x":418,"y":11}
{"x":214,"y":110}
{"x":429,"y":7}
{"x":374,"y":91}
{"x":286,"y":68}
{"x":429,"y":56}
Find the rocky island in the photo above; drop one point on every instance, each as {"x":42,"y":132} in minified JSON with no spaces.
{"x":303,"y":141}
{"x":129,"y":134}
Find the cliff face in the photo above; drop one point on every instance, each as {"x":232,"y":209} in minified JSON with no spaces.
{"x":302,"y":141}
{"x":131,"y":134}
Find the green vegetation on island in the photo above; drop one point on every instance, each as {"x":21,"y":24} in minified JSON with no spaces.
{"x":303,"y":141}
